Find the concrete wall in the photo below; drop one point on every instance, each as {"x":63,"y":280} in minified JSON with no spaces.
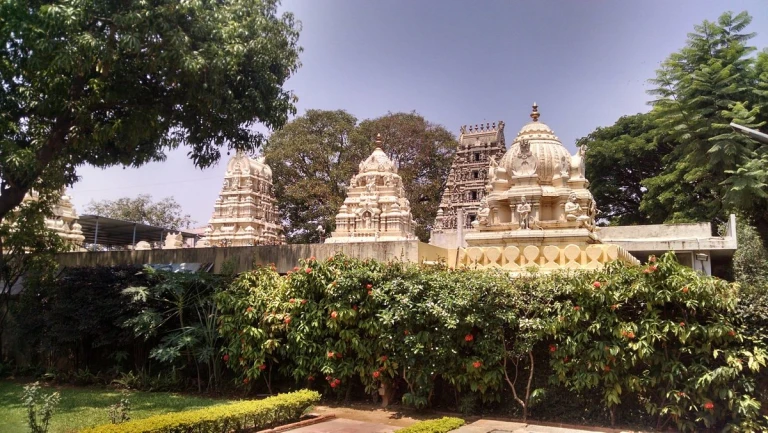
{"x":669,"y":231}
{"x":285,"y":257}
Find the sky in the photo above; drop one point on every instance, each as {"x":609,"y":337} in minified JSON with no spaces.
{"x":584,"y":62}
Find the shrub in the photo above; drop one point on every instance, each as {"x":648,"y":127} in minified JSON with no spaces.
{"x":659,"y":335}
{"x":441,"y":425}
{"x":40,"y":407}
{"x":235,"y":417}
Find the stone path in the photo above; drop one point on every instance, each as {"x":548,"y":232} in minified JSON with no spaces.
{"x":342,"y":425}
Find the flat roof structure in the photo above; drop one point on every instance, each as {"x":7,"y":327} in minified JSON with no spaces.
{"x":101,"y":230}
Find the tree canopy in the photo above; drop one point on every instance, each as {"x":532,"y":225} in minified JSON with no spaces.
{"x":106,"y":83}
{"x":691,"y":164}
{"x":314,"y":156}
{"x":166,"y":213}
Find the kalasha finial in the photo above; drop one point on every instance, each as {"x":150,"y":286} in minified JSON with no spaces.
{"x":378,"y":140}
{"x":535,"y":113}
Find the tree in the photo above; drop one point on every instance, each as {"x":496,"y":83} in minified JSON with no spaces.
{"x":312,"y":159}
{"x":700,"y":90}
{"x":27,"y":248}
{"x":423,"y":152}
{"x":166,"y":213}
{"x":618,"y":159}
{"x":118,"y":83}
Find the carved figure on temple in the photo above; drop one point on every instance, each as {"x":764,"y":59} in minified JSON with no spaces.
{"x":578,"y":167}
{"x":525,"y":161}
{"x":573,"y":211}
{"x":523,"y":211}
{"x":482,"y":213}
{"x":492,"y":167}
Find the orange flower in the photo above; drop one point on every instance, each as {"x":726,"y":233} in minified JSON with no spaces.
{"x":384,"y":358}
{"x":405,"y":332}
{"x":731,"y":333}
{"x":469,"y":337}
{"x":596,"y":284}
{"x":308,"y":270}
{"x":685,"y":289}
{"x":287,"y":320}
{"x":369,"y":286}
{"x":354,"y":307}
{"x":249,"y":309}
{"x":477,"y":364}
{"x":331,"y":354}
{"x":291,"y":300}
{"x":225,"y":357}
{"x":552,"y":348}
{"x":376,"y":374}
{"x":303,"y":301}
{"x":630,"y":335}
{"x":682,"y":323}
{"x":614,"y":307}
{"x":262,"y":367}
{"x":245,"y":381}
{"x":295,"y":268}
{"x":312,"y":259}
{"x":311,"y":378}
{"x":606,"y":368}
{"x":709,"y":405}
{"x":576,"y":308}
{"x":334,"y":314}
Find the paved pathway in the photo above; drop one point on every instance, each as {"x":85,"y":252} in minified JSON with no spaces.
{"x":342,"y":425}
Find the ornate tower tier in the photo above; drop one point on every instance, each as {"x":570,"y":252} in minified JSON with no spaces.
{"x":538,"y":208}
{"x":375,"y":209}
{"x":245,"y":214}
{"x":465,"y":186}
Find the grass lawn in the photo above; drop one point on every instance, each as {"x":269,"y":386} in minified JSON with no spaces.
{"x":83,"y":407}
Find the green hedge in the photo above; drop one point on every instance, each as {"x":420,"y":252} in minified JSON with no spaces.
{"x":236,"y":417}
{"x":441,"y":425}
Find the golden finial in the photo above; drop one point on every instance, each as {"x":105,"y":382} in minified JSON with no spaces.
{"x":535,"y":113}
{"x":378,"y":140}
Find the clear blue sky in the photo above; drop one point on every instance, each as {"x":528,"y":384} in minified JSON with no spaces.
{"x":584,"y":62}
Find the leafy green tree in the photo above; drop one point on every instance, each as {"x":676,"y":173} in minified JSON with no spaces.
{"x":120,"y":82}
{"x":312,"y":159}
{"x":164,"y":213}
{"x":618,"y":159}
{"x":699,"y":91}
{"x":423,"y":152}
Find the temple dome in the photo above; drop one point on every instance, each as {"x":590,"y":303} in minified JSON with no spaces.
{"x":378,"y":161}
{"x":548,"y":152}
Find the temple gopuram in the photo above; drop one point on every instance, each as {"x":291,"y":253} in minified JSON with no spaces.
{"x":245,"y":214}
{"x":375,"y":209}
{"x":63,"y":220}
{"x":465,"y":186}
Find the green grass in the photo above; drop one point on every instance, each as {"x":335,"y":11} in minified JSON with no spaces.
{"x":83,"y":407}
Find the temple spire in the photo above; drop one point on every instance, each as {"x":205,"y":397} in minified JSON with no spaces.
{"x":535,"y":113}
{"x":378,"y":141}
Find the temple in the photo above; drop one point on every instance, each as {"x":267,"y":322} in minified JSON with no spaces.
{"x":537,"y":210}
{"x":63,"y":220}
{"x":375,"y":209}
{"x":465,"y":186}
{"x":245,"y":213}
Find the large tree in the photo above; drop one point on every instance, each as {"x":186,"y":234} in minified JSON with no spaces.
{"x":166,"y":213}
{"x":618,"y":159}
{"x":106,"y":83}
{"x":699,"y":91}
{"x":423,"y":152}
{"x":312,"y":159}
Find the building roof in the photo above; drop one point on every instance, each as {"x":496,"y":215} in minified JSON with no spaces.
{"x":119,"y":232}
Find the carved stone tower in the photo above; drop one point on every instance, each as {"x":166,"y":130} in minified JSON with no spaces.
{"x":465,"y":187}
{"x":375,"y":209}
{"x":245,"y":213}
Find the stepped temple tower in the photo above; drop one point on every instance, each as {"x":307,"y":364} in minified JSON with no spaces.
{"x":465,"y":186}
{"x":537,"y":210}
{"x":64,"y":220}
{"x":245,"y":214}
{"x":375,"y":209}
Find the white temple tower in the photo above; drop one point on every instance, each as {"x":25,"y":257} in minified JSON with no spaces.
{"x":375,"y":209}
{"x":245,"y":214}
